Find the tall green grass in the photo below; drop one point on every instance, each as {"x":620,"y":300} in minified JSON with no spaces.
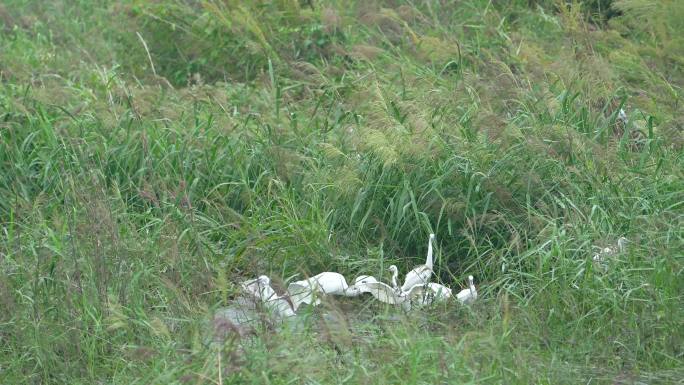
{"x":153,"y":155}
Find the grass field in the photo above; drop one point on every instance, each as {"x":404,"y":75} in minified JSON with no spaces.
{"x":153,"y":154}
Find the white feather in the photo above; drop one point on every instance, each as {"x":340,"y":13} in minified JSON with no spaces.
{"x":383,"y":292}
{"x":310,"y":290}
{"x":361,"y":281}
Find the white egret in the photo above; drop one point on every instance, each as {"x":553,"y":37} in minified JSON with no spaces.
{"x":420,"y":274}
{"x":468,"y":295}
{"x":307,"y":291}
{"x":387,"y":294}
{"x":422,"y":294}
{"x":622,"y":244}
{"x":261,"y":289}
{"x":600,"y":258}
{"x":622,"y":116}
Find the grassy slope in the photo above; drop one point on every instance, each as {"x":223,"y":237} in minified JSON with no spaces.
{"x":143,"y":174}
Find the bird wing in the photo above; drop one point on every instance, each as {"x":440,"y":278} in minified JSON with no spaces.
{"x":420,"y":295}
{"x":280,"y":306}
{"x":463,"y":295}
{"x":302,"y":292}
{"x":267,"y":293}
{"x":362,"y":282}
{"x":415,"y":292}
{"x":417,"y":276}
{"x":439,"y":292}
{"x":299,"y":287}
{"x":384,"y":293}
{"x":364,"y":279}
{"x":331,"y":283}
{"x":425,"y":294}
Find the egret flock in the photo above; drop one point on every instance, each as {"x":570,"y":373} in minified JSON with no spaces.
{"x":602,"y":258}
{"x":416,"y":290}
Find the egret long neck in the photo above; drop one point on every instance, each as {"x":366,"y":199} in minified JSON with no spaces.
{"x":428,"y":260}
{"x":395,"y":274}
{"x":621,"y":244}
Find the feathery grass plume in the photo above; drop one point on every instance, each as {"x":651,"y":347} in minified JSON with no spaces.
{"x":346,"y":180}
{"x":241,"y":17}
{"x":367,"y":52}
{"x":377,"y":142}
{"x":572,"y":15}
{"x":437,"y":51}
{"x":332,"y":152}
{"x":662,"y":20}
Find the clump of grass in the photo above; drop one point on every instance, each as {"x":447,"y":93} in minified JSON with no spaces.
{"x":288,"y":138}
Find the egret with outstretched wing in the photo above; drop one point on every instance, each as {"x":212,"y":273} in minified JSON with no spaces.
{"x":420,"y":274}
